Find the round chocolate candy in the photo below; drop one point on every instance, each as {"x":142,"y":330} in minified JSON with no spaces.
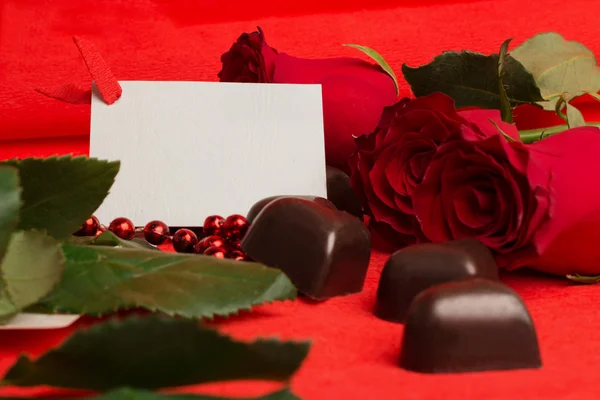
{"x":471,"y":325}
{"x":413,"y":269}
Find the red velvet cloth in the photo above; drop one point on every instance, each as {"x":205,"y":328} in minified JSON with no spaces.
{"x":354,"y":354}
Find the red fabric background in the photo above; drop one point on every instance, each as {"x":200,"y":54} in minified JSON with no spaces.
{"x":354,"y":354}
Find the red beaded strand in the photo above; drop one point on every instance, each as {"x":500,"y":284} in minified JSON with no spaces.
{"x":215,"y":252}
{"x":123,"y":228}
{"x":89,"y":227}
{"x":212,"y":225}
{"x":156,"y":232}
{"x":184,"y":241}
{"x":221,"y":236}
{"x":235,"y":227}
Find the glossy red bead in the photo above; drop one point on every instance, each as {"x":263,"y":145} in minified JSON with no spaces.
{"x":89,"y":227}
{"x":237,"y":255}
{"x":235,"y":227}
{"x":209,"y":241}
{"x":212,"y":225}
{"x":184,"y":241}
{"x":101,"y":230}
{"x":123,"y":228}
{"x":214,"y":251}
{"x":156,"y":232}
{"x":234,"y":245}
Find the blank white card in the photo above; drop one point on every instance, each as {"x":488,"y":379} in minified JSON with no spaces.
{"x":193,"y":149}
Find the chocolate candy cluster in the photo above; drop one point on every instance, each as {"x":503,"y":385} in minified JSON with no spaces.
{"x":458,"y":316}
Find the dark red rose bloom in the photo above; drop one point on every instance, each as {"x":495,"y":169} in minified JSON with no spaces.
{"x":390,"y":162}
{"x":534,"y":205}
{"x":250,"y":59}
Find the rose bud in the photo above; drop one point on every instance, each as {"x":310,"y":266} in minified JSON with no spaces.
{"x":250,"y":59}
{"x":390,"y":162}
{"x":354,"y":95}
{"x":533,"y":205}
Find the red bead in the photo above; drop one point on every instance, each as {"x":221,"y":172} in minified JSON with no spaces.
{"x":234,"y":245}
{"x":156,"y":232}
{"x":214,"y":251}
{"x":235,"y":227}
{"x":210,"y":241}
{"x":237,"y":255}
{"x":212,"y":225}
{"x":184,"y":241}
{"x":89,"y":227}
{"x":101,"y":230}
{"x":123,"y":228}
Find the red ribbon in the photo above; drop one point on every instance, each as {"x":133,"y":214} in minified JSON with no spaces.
{"x":105,"y":81}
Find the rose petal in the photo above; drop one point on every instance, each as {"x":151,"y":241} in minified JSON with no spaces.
{"x":474,"y":206}
{"x":427,"y":204}
{"x":459,"y":164}
{"x":412,"y":155}
{"x":381,"y":186}
{"x":568,"y":239}
{"x":290,"y":69}
{"x":481,"y":118}
{"x":424,"y":122}
{"x":438,"y":101}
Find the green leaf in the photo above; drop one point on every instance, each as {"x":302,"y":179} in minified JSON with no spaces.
{"x":155,"y":352}
{"x":574,"y":117}
{"x":379,"y":60}
{"x":560,"y":103}
{"x":471,"y":79}
{"x":60,"y":193}
{"x":10,"y":203}
{"x":584,"y":279}
{"x":561,"y":68}
{"x":107,"y":238}
{"x":32,"y":266}
{"x":99,"y":280}
{"x":505,"y":108}
{"x":138,"y":394}
{"x":4,"y":319}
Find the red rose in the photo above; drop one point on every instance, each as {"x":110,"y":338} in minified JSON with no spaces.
{"x":250,"y":59}
{"x":390,"y":162}
{"x":354,"y":95}
{"x":535,"y":205}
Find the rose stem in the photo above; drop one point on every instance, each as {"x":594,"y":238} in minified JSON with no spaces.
{"x":533,"y":135}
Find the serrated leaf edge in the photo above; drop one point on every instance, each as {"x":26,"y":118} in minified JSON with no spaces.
{"x":224,"y":312}
{"x":515,"y":101}
{"x":117,"y":323}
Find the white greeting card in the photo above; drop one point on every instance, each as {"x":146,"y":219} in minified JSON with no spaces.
{"x":39,"y":321}
{"x":193,"y":149}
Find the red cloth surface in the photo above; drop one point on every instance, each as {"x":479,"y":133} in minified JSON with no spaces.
{"x":354,"y":354}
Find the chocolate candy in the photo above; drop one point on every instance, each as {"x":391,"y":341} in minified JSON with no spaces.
{"x":325,"y":252}
{"x":416,"y":268}
{"x":340,"y":193}
{"x":259,"y":205}
{"x":471,"y":325}
{"x":339,"y":196}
